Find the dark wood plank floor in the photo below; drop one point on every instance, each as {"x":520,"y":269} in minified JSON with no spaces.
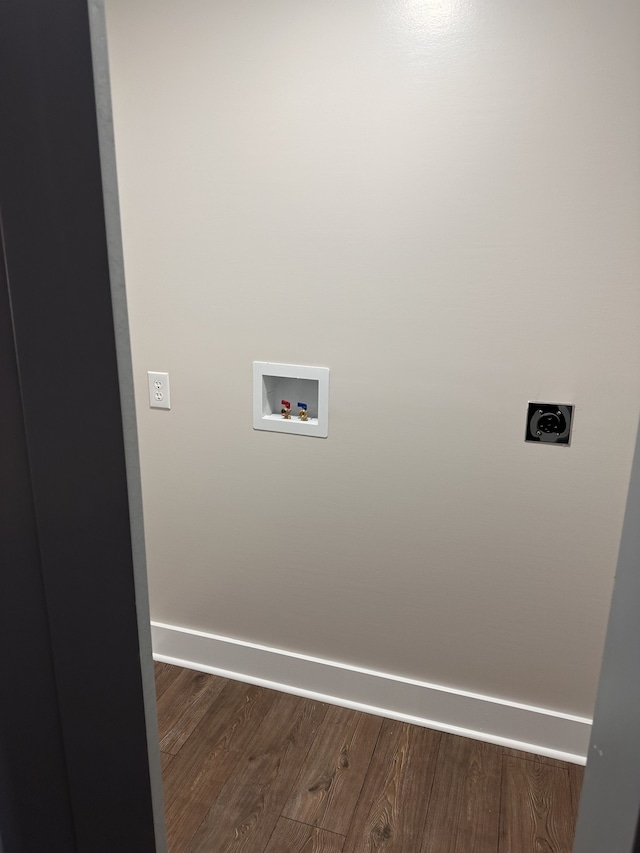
{"x":251,"y":770}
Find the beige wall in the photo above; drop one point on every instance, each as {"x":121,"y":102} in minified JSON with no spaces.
{"x":438,"y":200}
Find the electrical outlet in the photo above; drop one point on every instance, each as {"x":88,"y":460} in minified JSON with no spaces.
{"x":159,"y":393}
{"x":549,"y":423}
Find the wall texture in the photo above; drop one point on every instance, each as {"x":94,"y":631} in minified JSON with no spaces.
{"x":439,"y":200}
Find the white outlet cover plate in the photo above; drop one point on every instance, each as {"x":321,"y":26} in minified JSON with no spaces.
{"x":266,"y":412}
{"x":159,"y":391}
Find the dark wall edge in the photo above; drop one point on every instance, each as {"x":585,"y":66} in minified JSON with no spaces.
{"x":102,"y":84}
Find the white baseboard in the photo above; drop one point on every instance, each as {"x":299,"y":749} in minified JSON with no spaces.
{"x":486,"y":718}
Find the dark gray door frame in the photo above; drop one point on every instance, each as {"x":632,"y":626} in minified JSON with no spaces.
{"x":609,"y":816}
{"x":79,"y":762}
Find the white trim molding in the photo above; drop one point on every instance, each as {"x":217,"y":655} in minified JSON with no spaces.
{"x":525,"y":727}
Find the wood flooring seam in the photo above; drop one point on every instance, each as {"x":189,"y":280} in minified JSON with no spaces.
{"x":433,"y":778}
{"x":271,"y":834}
{"x":188,"y":848}
{"x":500,"y":804}
{"x":313,"y":826}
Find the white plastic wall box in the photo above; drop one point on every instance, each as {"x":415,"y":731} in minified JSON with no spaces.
{"x":295,"y":383}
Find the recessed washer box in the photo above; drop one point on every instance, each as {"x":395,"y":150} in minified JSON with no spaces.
{"x":295,"y":383}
